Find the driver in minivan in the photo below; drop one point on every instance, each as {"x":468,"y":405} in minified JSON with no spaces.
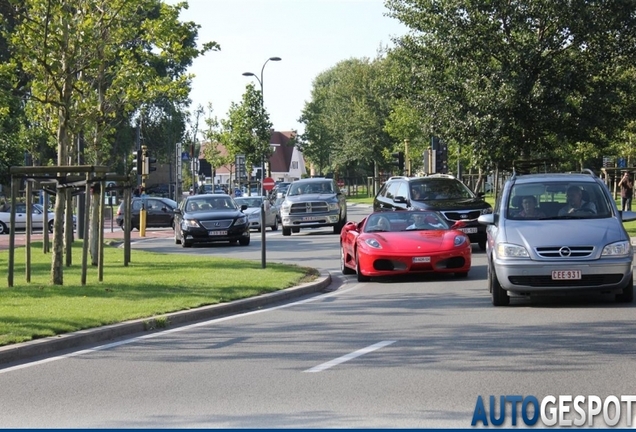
{"x":576,"y":204}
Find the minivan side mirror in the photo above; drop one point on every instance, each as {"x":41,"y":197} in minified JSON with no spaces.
{"x":627,"y":216}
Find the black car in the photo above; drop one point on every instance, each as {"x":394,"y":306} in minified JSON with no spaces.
{"x":440,"y":192}
{"x":210,"y":218}
{"x":159,"y":212}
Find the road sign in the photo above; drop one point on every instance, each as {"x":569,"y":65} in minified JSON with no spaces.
{"x":268,"y":183}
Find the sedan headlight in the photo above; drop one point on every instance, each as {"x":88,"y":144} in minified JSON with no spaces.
{"x":241,"y":221}
{"x":373,"y":243}
{"x":333,"y":206}
{"x":190,"y":223}
{"x":618,"y":249}
{"x":507,"y":250}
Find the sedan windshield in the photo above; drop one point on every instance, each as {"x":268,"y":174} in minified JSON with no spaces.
{"x":210,"y":203}
{"x":250,"y":202}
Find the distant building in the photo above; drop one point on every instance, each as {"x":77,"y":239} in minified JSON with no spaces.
{"x":285,"y":164}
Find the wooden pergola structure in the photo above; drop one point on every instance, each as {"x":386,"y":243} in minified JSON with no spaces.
{"x":75,"y":180}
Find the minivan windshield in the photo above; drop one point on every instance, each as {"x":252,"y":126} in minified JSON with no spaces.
{"x":557,"y":200}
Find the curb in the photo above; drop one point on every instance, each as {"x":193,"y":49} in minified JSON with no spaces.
{"x":31,"y":349}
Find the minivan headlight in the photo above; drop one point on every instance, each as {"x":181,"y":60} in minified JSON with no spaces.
{"x":507,"y":250}
{"x":618,"y":249}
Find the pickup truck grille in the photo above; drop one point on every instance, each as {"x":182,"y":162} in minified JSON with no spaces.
{"x":309,"y":207}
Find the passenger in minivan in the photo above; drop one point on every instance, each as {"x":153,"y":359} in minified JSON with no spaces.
{"x":530,"y":210}
{"x":576,"y":204}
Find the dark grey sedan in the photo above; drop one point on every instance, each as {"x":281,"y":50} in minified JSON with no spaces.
{"x":210,"y":218}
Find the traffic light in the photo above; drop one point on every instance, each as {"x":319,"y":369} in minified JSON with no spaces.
{"x":398,"y":160}
{"x":149,"y":161}
{"x":137,"y":162}
{"x":441,"y":158}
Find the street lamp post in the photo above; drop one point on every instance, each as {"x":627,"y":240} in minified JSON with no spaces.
{"x":263,"y":218}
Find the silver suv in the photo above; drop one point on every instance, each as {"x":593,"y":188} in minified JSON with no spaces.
{"x":312,"y":203}
{"x":557,"y":233}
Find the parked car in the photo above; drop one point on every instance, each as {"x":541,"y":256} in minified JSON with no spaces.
{"x":388,"y":244}
{"x":438,"y":192}
{"x":572,"y":242}
{"x":210,"y":218}
{"x":38,"y":217}
{"x":312,"y":203}
{"x":253,"y":212}
{"x":159,"y":212}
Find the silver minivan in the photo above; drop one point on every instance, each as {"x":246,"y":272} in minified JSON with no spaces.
{"x":556,"y":234}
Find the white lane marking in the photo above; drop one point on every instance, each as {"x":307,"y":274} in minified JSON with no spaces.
{"x":174,"y":330}
{"x":350,"y":356}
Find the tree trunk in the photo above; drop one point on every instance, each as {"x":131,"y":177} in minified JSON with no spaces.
{"x":57,"y":275}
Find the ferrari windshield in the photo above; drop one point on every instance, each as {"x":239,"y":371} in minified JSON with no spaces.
{"x":405,"y":221}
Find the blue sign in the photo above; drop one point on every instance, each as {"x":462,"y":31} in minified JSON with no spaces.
{"x":185,"y":156}
{"x":621,"y":163}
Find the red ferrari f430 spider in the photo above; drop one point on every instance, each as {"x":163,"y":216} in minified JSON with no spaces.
{"x":402,"y":242}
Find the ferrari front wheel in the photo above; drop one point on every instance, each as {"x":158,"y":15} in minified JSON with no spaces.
{"x":343,"y":268}
{"x":361,"y":277}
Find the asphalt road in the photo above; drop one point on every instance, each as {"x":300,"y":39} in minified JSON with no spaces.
{"x":399,"y":353}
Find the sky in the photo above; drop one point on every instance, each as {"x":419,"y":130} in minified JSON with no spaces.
{"x":310,"y":37}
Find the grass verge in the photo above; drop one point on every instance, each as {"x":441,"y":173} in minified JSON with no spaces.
{"x":152,"y":284}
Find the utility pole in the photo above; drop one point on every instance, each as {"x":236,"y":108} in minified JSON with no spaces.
{"x":193,"y":149}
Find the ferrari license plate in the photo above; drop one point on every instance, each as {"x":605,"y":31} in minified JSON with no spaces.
{"x":469,"y":230}
{"x":421,"y":259}
{"x":566,"y":274}
{"x":217,"y":233}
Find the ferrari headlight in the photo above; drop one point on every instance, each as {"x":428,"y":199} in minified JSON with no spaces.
{"x":618,"y":249}
{"x":459,"y":240}
{"x":373,"y":243}
{"x":186,"y":223}
{"x":507,"y":250}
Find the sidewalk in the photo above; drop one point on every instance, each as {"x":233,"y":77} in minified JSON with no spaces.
{"x":116,"y":233}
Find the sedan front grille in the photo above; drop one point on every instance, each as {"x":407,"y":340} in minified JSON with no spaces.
{"x":547,"y":281}
{"x":309,"y":207}
{"x":216,"y":224}
{"x":561,"y":252}
{"x":468,"y":215}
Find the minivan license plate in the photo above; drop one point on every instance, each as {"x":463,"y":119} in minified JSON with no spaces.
{"x":469,"y":230}
{"x":217,"y":233}
{"x":566,"y":274}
